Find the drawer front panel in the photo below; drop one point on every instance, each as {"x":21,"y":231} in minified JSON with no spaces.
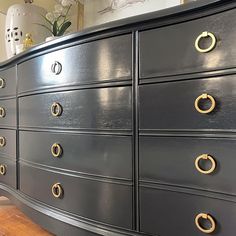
{"x":99,"y":61}
{"x":103,"y":155}
{"x":8,"y":113}
{"x":175,"y":161}
{"x":101,"y":201}
{"x":102,"y":109}
{"x":171,"y":50}
{"x":168,"y":213}
{"x":8,"y":172}
{"x":8,"y":143}
{"x":8,"y":82}
{"x":172,"y":105}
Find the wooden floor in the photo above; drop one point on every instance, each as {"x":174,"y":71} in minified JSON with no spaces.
{"x":15,"y":223}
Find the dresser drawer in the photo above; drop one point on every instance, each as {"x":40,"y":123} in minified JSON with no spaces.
{"x":102,"y":201}
{"x":8,"y":82}
{"x":99,"y":61}
{"x":192,"y":162}
{"x":102,"y":155}
{"x":168,"y":213}
{"x":171,"y":50}
{"x":8,"y":143}
{"x":8,"y":172}
{"x":8,"y":113}
{"x":97,"y":109}
{"x":173,"y":105}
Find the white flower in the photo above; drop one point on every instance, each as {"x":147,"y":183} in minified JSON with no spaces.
{"x":59,"y":16}
{"x":64,"y":11}
{"x":50,"y":16}
{"x":56,"y":14}
{"x":59,"y":11}
{"x":66,"y":3}
{"x":58,"y":8}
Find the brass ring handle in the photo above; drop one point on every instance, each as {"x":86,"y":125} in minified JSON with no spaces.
{"x":205,"y":157}
{"x":2,"y":141}
{"x":206,"y":217}
{"x":56,"y":68}
{"x":3,"y":169}
{"x":204,"y":35}
{"x":2,"y":83}
{"x":205,"y":96}
{"x":57,"y":190}
{"x":56,"y":109}
{"x":56,"y":150}
{"x":2,"y":112}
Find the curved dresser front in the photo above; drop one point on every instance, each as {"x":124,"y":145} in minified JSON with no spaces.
{"x":127,"y":128}
{"x":79,"y":139}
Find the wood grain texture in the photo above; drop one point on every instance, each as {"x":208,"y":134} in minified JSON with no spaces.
{"x":13,"y":222}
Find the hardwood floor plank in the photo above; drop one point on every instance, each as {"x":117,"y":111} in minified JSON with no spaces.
{"x":13,"y":222}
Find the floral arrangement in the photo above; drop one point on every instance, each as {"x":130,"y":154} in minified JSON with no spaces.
{"x":58,"y":21}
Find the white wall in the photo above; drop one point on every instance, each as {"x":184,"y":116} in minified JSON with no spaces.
{"x":2,"y":42}
{"x":92,"y":7}
{"x":47,"y":4}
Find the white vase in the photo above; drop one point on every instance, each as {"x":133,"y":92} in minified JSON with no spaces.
{"x":22,"y":19}
{"x":51,"y":38}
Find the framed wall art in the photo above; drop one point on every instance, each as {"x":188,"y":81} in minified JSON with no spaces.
{"x":101,"y":11}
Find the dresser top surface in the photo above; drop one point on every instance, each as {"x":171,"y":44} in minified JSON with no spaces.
{"x":141,"y":22}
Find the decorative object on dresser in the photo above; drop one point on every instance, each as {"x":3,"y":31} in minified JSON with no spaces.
{"x":20,"y":21}
{"x":127,"y":128}
{"x":58,"y":22}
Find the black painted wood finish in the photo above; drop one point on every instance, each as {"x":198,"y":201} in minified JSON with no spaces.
{"x":98,"y":61}
{"x":8,"y":82}
{"x":9,"y":149}
{"x":9,"y":177}
{"x":172,"y":105}
{"x":89,"y":109}
{"x":9,"y":119}
{"x":128,"y":129}
{"x":171,"y":50}
{"x":171,"y":160}
{"x":105,"y":201}
{"x":106,"y":157}
{"x":177,"y":211}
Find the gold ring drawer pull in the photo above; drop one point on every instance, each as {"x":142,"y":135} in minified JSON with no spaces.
{"x":205,"y":96}
{"x":2,"y":83}
{"x":56,"y":150}
{"x":56,"y":109}
{"x":3,"y":169}
{"x":2,"y":141}
{"x":56,"y":68}
{"x":205,"y":34}
{"x":205,"y":157}
{"x":2,"y":112}
{"x":205,"y":217}
{"x":57,"y":190}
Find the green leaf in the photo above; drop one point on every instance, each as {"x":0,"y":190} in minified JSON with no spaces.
{"x":55,"y":32}
{"x":63,"y":28}
{"x":45,"y":27}
{"x":65,"y":20}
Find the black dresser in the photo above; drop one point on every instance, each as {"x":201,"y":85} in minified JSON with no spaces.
{"x":128,"y":128}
